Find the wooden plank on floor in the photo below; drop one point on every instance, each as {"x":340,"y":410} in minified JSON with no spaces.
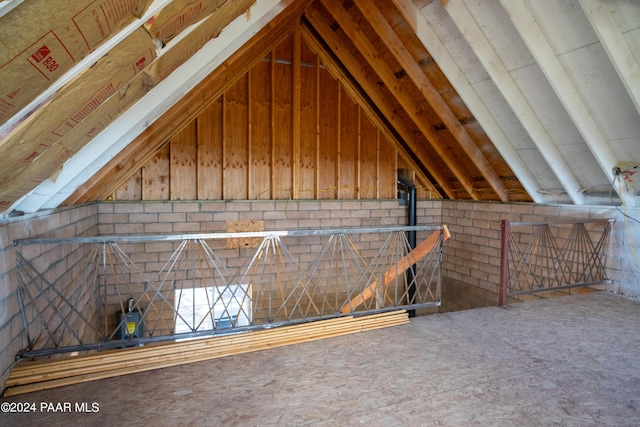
{"x":34,"y":376}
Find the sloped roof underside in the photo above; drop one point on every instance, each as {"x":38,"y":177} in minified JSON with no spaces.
{"x":543,"y":91}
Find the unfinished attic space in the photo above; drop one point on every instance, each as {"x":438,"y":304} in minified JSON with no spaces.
{"x":331,"y":212}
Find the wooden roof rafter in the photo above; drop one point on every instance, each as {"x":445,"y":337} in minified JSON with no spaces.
{"x":544,"y":90}
{"x":374,"y":114}
{"x":472,"y":99}
{"x":430,"y":93}
{"x":512,"y":94}
{"x":354,"y":68}
{"x":144,"y":147}
{"x":390,"y":80}
{"x":566,"y":91}
{"x":616,"y":46}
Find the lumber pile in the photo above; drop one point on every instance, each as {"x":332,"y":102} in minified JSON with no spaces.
{"x":29,"y":376}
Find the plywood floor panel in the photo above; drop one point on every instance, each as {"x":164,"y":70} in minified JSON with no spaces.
{"x":566,"y":361}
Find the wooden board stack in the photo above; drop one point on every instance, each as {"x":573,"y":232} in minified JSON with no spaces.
{"x":29,"y":376}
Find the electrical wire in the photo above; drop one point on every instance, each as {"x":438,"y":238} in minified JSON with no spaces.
{"x":623,"y":203}
{"x":626,"y":217}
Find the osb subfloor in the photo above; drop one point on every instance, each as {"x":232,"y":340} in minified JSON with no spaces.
{"x":570,"y":361}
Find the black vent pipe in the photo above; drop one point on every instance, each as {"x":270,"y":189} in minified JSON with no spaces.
{"x":410,"y":188}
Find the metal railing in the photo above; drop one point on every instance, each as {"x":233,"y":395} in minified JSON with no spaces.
{"x":113,"y":291}
{"x":549,"y":256}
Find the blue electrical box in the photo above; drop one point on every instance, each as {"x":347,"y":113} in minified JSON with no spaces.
{"x":130,"y":325}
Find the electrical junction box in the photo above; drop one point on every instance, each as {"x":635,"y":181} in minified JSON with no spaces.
{"x":131,"y":326}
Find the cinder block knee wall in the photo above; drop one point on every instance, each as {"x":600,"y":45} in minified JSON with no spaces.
{"x":470,"y":259}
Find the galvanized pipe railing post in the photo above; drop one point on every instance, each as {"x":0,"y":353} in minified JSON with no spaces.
{"x":504,"y":262}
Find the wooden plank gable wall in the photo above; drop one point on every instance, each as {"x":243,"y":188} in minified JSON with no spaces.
{"x":285,"y":129}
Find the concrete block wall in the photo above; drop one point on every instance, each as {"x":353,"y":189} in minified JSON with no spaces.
{"x":211,"y":217}
{"x":623,"y":263}
{"x":68,"y":222}
{"x":470,"y":262}
{"x":471,"y":257}
{"x":68,"y":303}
